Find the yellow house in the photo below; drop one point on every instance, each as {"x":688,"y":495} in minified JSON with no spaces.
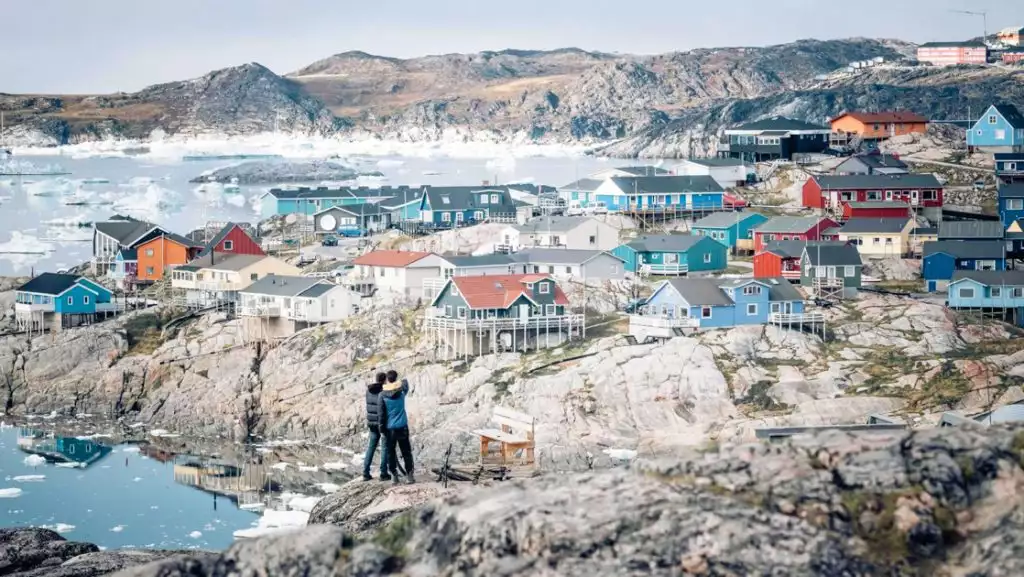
{"x":217,"y":277}
{"x":878,"y":237}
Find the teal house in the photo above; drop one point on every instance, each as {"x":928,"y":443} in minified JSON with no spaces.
{"x":733,"y":229}
{"x":1000,"y":129}
{"x":673,"y":254}
{"x":310,"y":201}
{"x":60,"y":300}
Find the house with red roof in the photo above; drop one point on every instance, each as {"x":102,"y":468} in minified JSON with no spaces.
{"x":476,"y":315}
{"x":400,"y":272}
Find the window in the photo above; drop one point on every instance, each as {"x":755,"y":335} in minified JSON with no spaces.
{"x":707,"y":258}
{"x":992,"y":119}
{"x":556,"y":241}
{"x":462,"y":312}
{"x":544,"y":288}
{"x":254,"y":276}
{"x":819,"y":272}
{"x":1000,"y":134}
{"x":445,"y":199}
{"x":705,"y":312}
{"x":447,"y":310}
{"x":967,"y":293}
{"x":831,"y":272}
{"x":751,"y":309}
{"x":1015,"y":204}
{"x":149,"y":270}
{"x":888,"y":240}
{"x":615,"y":269}
{"x":776,"y":307}
{"x":455,"y":290}
{"x":85,"y":300}
{"x":847,"y":196}
{"x":929,"y":195}
{"x":149,"y":252}
{"x":483,"y":199}
{"x":446,"y":217}
{"x":1018,"y":292}
{"x":849,"y":272}
{"x":229,"y":245}
{"x":568,"y":270}
{"x":495,"y":198}
{"x":478,"y":215}
{"x":997,"y":292}
{"x":593,"y":240}
{"x":876,"y":241}
{"x":874,"y":195}
{"x":1011,"y":166}
{"x":71,"y":300}
{"x":751,"y":290}
{"x":549,"y":310}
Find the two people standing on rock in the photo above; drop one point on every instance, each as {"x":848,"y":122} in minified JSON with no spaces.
{"x":386,"y":417}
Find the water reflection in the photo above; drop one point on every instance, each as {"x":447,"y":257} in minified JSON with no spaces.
{"x":70,"y":450}
{"x":246,"y":485}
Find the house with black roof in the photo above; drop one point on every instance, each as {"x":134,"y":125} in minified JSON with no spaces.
{"x":453,"y":206}
{"x":872,"y":163}
{"x":55,"y":301}
{"x":110,"y":236}
{"x":999,"y":129}
{"x":1009,"y":167}
{"x":775,"y":138}
{"x":943,"y":258}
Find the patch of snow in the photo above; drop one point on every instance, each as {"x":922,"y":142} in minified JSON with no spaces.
{"x":163,"y":433}
{"x":28,"y":478}
{"x":252,"y":507}
{"x":621,"y":454}
{"x":334,"y":466}
{"x":308,"y":469}
{"x":299,"y":502}
{"x":274,"y":521}
{"x":280,"y":466}
{"x":59,"y":528}
{"x":10,"y":493}
{"x":34,"y":461}
{"x":328,"y":487}
{"x":130,"y":450}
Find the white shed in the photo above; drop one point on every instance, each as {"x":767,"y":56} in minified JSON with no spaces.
{"x":727,"y":172}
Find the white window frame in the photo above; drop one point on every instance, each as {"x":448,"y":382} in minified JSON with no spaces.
{"x":962,"y":293}
{"x":751,"y":309}
{"x":1015,"y":204}
{"x":71,"y":299}
{"x":455,"y":290}
{"x":495,"y":199}
{"x":149,"y":252}
{"x":1017,"y":292}
{"x":478,"y":215}
{"x":229,"y":245}
{"x":448,"y":310}
{"x":819,"y":271}
{"x":544,"y":288}
{"x":549,"y":310}
{"x":446,"y":217}
{"x":776,"y":307}
{"x":85,"y":300}
{"x":992,"y":119}
{"x":751,"y":290}
{"x":705,"y":312}
{"x":707,"y":258}
{"x":849,"y":272}
{"x":997,"y":292}
{"x":461,"y":312}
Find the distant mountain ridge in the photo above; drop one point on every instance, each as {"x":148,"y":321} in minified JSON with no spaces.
{"x":666,"y":104}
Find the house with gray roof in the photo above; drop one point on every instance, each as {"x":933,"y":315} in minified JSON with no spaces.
{"x":878,"y":237}
{"x":573,"y":232}
{"x":872,"y":163}
{"x":827,"y":269}
{"x":727,"y":172}
{"x":672,"y":254}
{"x":278,"y":306}
{"x":971,"y":230}
{"x":661,"y":193}
{"x":579,"y":264}
{"x":942,"y":259}
{"x":805,"y":228}
{"x":117,"y":233}
{"x":454,"y":206}
{"x":774,"y":138}
{"x":678,"y":305}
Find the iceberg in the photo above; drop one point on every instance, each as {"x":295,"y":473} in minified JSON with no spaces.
{"x":16,"y":492}
{"x":195,"y":534}
{"x":59,"y":528}
{"x":28,"y":478}
{"x":34,"y":461}
{"x":149,"y":203}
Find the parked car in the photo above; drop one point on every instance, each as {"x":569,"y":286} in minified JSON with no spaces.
{"x":351,"y":232}
{"x":330,"y":241}
{"x":598,"y":207}
{"x":575,"y":209}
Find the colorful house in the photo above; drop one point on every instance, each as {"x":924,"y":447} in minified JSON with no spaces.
{"x":999,"y":129}
{"x":162,"y":253}
{"x":875,"y":209}
{"x":672,"y":255}
{"x":953,"y":53}
{"x":232,"y":238}
{"x":364,"y":218}
{"x":404,"y":207}
{"x":875,"y":126}
{"x":1009,"y":167}
{"x":126,"y":268}
{"x":833,"y":192}
{"x":583,"y":191}
{"x":998,"y":294}
{"x":453,"y":206}
{"x":942,"y":259}
{"x":309,"y":201}
{"x":878,"y":237}
{"x":214,"y":279}
{"x":733,"y":229}
{"x":114,"y":234}
{"x":1014,"y":238}
{"x":828,"y":269}
{"x":805,"y":228}
{"x":60,"y":301}
{"x":474,"y":315}
{"x":781,"y":258}
{"x":1011,"y":203}
{"x":702,"y":303}
{"x":775,"y":138}
{"x":661,"y":193}
{"x":629,"y":171}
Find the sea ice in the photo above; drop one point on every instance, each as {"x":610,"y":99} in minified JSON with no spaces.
{"x":252,"y":506}
{"x":11,"y":493}
{"x":503,"y":164}
{"x":274,"y":521}
{"x":136,"y":479}
{"x":28,"y":478}
{"x":164,"y":433}
{"x":51,"y":187}
{"x":34,"y":461}
{"x":195,"y":534}
{"x":236,"y":200}
{"x":59,"y":527}
{"x":70,"y":465}
{"x":389,"y":163}
{"x":308,"y":469}
{"x":117,"y":528}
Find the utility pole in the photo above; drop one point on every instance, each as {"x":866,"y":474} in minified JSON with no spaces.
{"x":984,"y":21}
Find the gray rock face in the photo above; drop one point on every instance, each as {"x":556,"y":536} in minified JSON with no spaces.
{"x":938,"y":502}
{"x":265,"y":172}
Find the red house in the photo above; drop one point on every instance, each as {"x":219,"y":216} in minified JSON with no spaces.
{"x":233,"y":239}
{"x":875,"y":209}
{"x":803,"y":228}
{"x":832,"y":192}
{"x":782,"y":258}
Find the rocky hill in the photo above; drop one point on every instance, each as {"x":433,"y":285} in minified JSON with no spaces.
{"x":668,"y":104}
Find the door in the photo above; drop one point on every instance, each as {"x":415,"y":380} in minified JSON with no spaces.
{"x":787,"y":308}
{"x":524,"y":311}
{"x":458,"y":217}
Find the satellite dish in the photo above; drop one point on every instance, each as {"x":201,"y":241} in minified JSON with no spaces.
{"x":290,"y":219}
{"x":327,"y":222}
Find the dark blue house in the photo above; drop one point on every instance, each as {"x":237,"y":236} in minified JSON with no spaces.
{"x":943,"y":258}
{"x":1000,"y":129}
{"x":1009,"y":166}
{"x":1011,"y":203}
{"x":449,"y":206}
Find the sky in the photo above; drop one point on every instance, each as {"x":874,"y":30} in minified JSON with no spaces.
{"x":76,"y":47}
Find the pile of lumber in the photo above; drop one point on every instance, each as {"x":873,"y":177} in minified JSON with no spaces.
{"x":477,"y":473}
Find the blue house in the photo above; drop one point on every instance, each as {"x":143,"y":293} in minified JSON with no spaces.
{"x":702,"y":303}
{"x":1014,"y":238}
{"x":126,"y":267}
{"x":733,"y":229}
{"x":404,"y":207}
{"x":60,"y":300}
{"x":583,"y":191}
{"x":1009,"y":167}
{"x":996,"y":293}
{"x":1000,"y":129}
{"x":1011,"y":203}
{"x":943,"y":258}
{"x":672,"y":255}
{"x":309,"y":201}
{"x":661,"y":193}
{"x":444,"y":207}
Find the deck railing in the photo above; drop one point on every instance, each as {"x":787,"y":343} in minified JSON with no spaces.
{"x":434,"y":321}
{"x":796,"y":318}
{"x":659,"y":322}
{"x":260,"y":311}
{"x":664,"y":269}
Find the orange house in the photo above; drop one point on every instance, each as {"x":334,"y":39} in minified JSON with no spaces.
{"x":163,"y":252}
{"x":879,"y":125}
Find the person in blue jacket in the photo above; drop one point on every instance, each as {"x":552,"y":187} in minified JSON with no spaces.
{"x":395,"y":423}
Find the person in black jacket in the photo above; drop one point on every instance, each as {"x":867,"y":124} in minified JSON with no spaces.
{"x":373,"y":391}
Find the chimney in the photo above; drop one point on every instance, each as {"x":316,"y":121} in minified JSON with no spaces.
{"x":486,"y":183}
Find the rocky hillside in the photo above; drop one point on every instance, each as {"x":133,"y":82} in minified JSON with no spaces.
{"x":938,"y":502}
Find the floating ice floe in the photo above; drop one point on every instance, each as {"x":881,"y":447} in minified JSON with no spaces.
{"x":59,"y":528}
{"x":150,"y":202}
{"x":503,"y":164}
{"x":12,"y":493}
{"x":308,"y":469}
{"x":51,"y":187}
{"x":274,"y":521}
{"x":71,"y":465}
{"x":238,"y":200}
{"x":195,"y":534}
{"x":299,"y":502}
{"x":28,"y":478}
{"x":34,"y":461}
{"x":117,"y":528}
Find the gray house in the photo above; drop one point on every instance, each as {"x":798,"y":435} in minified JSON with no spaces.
{"x":474,"y":315}
{"x":831,"y":270}
{"x":971,"y":230}
{"x":872,"y":164}
{"x":568,"y":263}
{"x":575,"y":232}
{"x":369,"y":217}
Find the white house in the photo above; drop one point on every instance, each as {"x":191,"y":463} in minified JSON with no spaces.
{"x":628,"y":171}
{"x":573,"y":232}
{"x":569,"y":263}
{"x":727,"y":172}
{"x":398,"y":271}
{"x":277,"y":306}
{"x":216,"y":278}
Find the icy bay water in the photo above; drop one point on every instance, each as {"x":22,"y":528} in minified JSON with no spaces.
{"x":139,"y":495}
{"x":37,"y":223}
